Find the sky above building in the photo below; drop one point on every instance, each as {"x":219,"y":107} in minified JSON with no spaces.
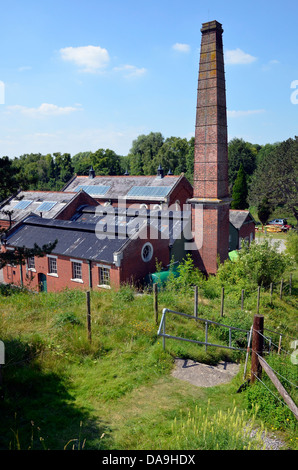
{"x":79,"y":75}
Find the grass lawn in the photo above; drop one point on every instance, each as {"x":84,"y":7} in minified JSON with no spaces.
{"x":116,"y":392}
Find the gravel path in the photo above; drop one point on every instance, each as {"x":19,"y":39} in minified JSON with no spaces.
{"x":204,"y":375}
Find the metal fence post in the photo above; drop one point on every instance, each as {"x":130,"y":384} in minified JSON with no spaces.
{"x":164,"y":330}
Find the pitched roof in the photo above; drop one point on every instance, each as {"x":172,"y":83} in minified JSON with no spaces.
{"x":239,"y":217}
{"x":98,"y":237}
{"x":152,"y":188}
{"x":74,"y":239}
{"x":50,"y":203}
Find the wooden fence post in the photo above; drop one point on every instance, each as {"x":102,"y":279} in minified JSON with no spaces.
{"x":88,"y":315}
{"x":222,"y":301}
{"x":257,"y":347}
{"x":155,"y":302}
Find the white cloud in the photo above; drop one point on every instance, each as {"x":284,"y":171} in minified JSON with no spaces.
{"x":131,"y":71}
{"x":249,"y":112}
{"x":237,"y":56}
{"x":181,"y":47}
{"x":45,"y":109}
{"x":91,"y":58}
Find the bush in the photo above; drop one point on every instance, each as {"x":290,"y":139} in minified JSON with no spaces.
{"x":272,"y":409}
{"x":292,"y":245}
{"x":188,"y":276}
{"x":257,"y":265}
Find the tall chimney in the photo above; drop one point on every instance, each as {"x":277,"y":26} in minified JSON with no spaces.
{"x":211,"y":192}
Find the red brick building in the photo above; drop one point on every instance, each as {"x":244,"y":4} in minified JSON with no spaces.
{"x":48,"y":204}
{"x":89,"y":255}
{"x":242,"y":228}
{"x":151,"y":192}
{"x":113,"y":229}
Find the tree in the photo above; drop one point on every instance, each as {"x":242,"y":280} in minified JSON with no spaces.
{"x":239,"y":152}
{"x":257,"y":265}
{"x":172,"y":155}
{"x":8,"y":181}
{"x":81,"y":163}
{"x":21,"y":254}
{"x":143,"y":152}
{"x":63,"y":167}
{"x":276,"y":178}
{"x":240,"y":190}
{"x":264,"y":211}
{"x":105,"y":162}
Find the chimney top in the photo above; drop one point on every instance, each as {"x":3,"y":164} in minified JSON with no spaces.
{"x":211,"y":26}
{"x":91,"y":173}
{"x":160,"y":171}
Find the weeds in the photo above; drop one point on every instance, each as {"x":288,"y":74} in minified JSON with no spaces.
{"x":202,"y":430}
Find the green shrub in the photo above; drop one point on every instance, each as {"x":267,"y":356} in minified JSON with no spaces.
{"x":125,"y":293}
{"x":257,"y":265}
{"x":272,"y":409}
{"x":188,"y":276}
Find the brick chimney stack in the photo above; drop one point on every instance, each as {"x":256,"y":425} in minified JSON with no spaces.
{"x":211,"y":194}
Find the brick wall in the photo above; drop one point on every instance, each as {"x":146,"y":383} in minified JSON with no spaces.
{"x":69,"y":210}
{"x":133,"y":268}
{"x":62,"y":280}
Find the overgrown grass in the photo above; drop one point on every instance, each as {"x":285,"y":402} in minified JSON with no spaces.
{"x":117,"y":391}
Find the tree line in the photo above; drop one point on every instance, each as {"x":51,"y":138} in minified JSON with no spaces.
{"x":264,"y":176}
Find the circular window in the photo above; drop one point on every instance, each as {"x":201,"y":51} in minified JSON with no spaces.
{"x":147,"y":252}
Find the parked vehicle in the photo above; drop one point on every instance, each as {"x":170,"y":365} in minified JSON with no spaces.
{"x":278,"y":222}
{"x":281,"y":223}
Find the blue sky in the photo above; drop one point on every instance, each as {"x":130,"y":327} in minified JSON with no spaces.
{"x":82,"y":75}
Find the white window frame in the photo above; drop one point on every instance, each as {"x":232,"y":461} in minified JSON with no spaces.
{"x":50,"y":272}
{"x":73,"y":270}
{"x":107,"y":268}
{"x":29,"y":267}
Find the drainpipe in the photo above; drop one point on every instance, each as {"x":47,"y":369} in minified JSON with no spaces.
{"x":21,"y":274}
{"x":90,"y":273}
